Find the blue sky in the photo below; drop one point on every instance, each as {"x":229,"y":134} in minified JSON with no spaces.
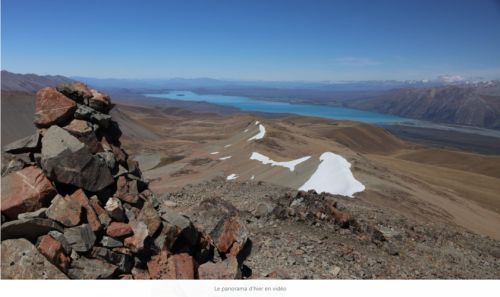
{"x":264,"y":40}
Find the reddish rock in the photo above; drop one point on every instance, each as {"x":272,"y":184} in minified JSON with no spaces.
{"x":100,"y":101}
{"x":116,"y":229}
{"x":52,"y":107}
{"x":76,"y":91}
{"x":79,"y":127}
{"x":101,"y":213}
{"x":123,"y":191}
{"x":54,"y":252}
{"x":92,"y":219}
{"x":24,"y":191}
{"x":157,"y":265}
{"x":64,"y":211}
{"x":228,"y":232}
{"x":227,"y":269}
{"x":180,"y":266}
{"x":136,"y":242}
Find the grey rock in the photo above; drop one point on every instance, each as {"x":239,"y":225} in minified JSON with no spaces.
{"x":81,"y":238}
{"x":67,"y":160}
{"x":84,"y":268}
{"x":108,"y":158}
{"x":64,"y":243}
{"x":89,"y":114}
{"x":64,"y":211}
{"x":28,"y":144}
{"x":40,"y":213}
{"x":227,"y":269}
{"x":21,"y":260}
{"x":30,"y":229}
{"x":184,"y":226}
{"x":111,"y":242}
{"x":124,"y":262}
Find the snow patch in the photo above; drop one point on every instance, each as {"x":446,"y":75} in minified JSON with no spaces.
{"x":260,"y":135}
{"x":227,"y":145}
{"x":214,"y":153}
{"x":289,"y":164}
{"x":225,"y":158}
{"x":232,"y":176}
{"x":256,"y":123}
{"x":246,"y":130}
{"x":333,"y":176}
{"x":253,"y":177}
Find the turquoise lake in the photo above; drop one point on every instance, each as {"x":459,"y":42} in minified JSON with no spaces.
{"x":249,"y":104}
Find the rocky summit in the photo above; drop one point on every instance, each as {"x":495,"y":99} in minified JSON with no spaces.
{"x":75,"y":206}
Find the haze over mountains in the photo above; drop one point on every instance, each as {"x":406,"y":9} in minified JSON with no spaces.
{"x":448,"y":99}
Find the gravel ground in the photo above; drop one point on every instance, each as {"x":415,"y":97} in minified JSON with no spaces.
{"x":294,"y":236}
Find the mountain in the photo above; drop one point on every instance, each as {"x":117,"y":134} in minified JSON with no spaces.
{"x":468,"y":104}
{"x":29,"y":82}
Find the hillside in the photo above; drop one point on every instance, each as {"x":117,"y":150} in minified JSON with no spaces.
{"x":477,"y":105}
{"x":29,"y":82}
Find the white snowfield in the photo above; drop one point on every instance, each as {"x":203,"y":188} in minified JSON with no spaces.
{"x":260,"y":135}
{"x":214,"y":153}
{"x":232,"y":176}
{"x":289,"y":164}
{"x":333,"y":176}
{"x":225,"y":158}
{"x":256,"y":123}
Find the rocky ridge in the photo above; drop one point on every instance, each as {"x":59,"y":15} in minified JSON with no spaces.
{"x":74,"y":205}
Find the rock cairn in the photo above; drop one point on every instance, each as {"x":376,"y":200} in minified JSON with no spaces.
{"x":74,"y":205}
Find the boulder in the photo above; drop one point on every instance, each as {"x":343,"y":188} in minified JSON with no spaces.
{"x":150,"y":217}
{"x":64,"y":243}
{"x":100,"y":101}
{"x":64,"y":211}
{"x":127,"y":190}
{"x":109,"y":159}
{"x":65,"y":159}
{"x":21,"y":260}
{"x":136,"y":242}
{"x":157,"y":265}
{"x":81,"y":238}
{"x":123,"y":262}
{"x":91,"y":217}
{"x":84,"y":268}
{"x":54,"y":252}
{"x":86,"y":113}
{"x":180,"y":266}
{"x":77,"y":91}
{"x":30,"y":229}
{"x":116,"y":229}
{"x":228,"y":232}
{"x":24,"y":191}
{"x":30,"y":144}
{"x":52,"y":107}
{"x":101,"y":213}
{"x":79,"y":127}
{"x":227,"y":269}
{"x":185,"y":228}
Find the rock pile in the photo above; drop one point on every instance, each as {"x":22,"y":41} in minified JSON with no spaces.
{"x":75,"y":206}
